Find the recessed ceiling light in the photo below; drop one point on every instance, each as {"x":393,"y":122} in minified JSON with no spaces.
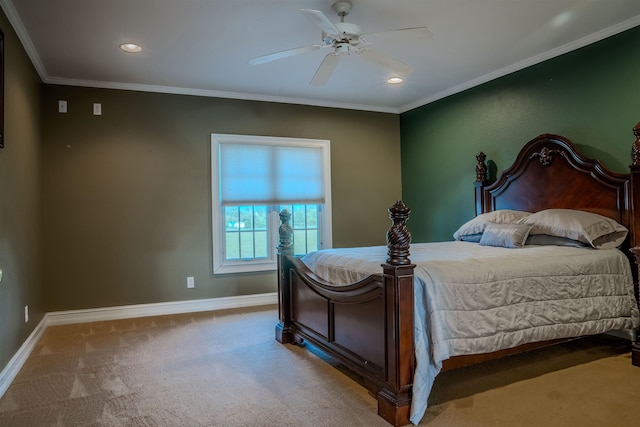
{"x":561,"y":19}
{"x":131,"y":47}
{"x":395,"y":80}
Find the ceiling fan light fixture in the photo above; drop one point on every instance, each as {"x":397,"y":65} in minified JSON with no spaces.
{"x":131,"y":47}
{"x":344,"y":39}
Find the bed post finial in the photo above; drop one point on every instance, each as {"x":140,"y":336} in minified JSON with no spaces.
{"x":481,"y":181}
{"x":285,"y":232}
{"x":398,"y":237}
{"x":636,"y":146}
{"x":481,"y":167}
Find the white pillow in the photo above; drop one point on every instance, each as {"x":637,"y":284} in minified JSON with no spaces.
{"x":478,"y":224}
{"x":599,"y":231}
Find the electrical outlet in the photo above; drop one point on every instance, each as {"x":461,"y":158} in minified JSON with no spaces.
{"x":26,"y":313}
{"x":191,"y":283}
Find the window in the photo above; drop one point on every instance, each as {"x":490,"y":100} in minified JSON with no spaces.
{"x":254,"y":178}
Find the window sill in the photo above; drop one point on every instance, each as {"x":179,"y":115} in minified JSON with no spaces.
{"x":240,"y":268}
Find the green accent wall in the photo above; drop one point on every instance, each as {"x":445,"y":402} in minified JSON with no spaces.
{"x":590,"y":95}
{"x":127,"y":200}
{"x":19,"y":198}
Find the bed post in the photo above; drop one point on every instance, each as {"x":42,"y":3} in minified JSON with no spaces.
{"x":285,"y":248}
{"x":635,"y":229}
{"x":481,"y":181}
{"x":394,"y":400}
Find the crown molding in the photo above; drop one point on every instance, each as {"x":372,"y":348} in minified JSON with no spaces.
{"x":561,"y":50}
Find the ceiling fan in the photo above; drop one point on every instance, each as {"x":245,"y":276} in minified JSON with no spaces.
{"x":343,"y":39}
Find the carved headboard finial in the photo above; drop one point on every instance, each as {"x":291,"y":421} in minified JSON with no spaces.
{"x":636,"y":145}
{"x":398,"y":237}
{"x":481,"y":167}
{"x":546,"y":155}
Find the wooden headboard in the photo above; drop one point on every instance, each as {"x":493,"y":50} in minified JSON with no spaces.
{"x":550,"y":172}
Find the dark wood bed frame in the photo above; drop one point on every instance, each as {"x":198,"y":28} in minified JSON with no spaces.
{"x":368,"y":325}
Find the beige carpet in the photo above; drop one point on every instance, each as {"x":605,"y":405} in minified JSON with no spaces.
{"x":225,"y":369}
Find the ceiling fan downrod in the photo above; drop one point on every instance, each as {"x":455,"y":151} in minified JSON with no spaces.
{"x":342,"y":9}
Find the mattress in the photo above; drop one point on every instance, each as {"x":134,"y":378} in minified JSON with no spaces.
{"x":472,"y":299}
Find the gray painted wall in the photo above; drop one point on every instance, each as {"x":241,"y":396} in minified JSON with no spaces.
{"x":19,"y":199}
{"x":126,"y":195}
{"x":99,"y":211}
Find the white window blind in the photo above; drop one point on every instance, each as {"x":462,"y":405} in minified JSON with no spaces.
{"x":252,"y":179}
{"x":269,"y":174}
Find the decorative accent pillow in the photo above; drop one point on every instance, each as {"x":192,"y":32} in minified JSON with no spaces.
{"x":473,"y":238}
{"x":599,"y":231}
{"x":478,"y":224}
{"x":505,"y":235}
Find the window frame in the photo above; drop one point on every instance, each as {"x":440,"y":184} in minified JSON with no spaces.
{"x":218,"y":224}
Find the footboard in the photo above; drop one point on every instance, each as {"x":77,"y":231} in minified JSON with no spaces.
{"x":367,"y":325}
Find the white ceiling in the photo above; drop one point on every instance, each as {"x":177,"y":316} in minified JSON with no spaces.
{"x":201,"y":47}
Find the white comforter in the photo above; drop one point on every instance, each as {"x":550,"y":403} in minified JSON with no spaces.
{"x":472,"y":299}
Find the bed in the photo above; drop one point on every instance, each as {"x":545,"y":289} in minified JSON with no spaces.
{"x":383,"y":318}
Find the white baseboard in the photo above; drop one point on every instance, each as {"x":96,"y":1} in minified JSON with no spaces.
{"x":10,"y":371}
{"x":158,"y":309}
{"x":15,"y":364}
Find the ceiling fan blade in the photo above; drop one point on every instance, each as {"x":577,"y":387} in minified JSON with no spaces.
{"x":325,"y":69}
{"x":386,"y":61}
{"x":283,"y":54}
{"x":421,"y":31}
{"x":321,"y":21}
